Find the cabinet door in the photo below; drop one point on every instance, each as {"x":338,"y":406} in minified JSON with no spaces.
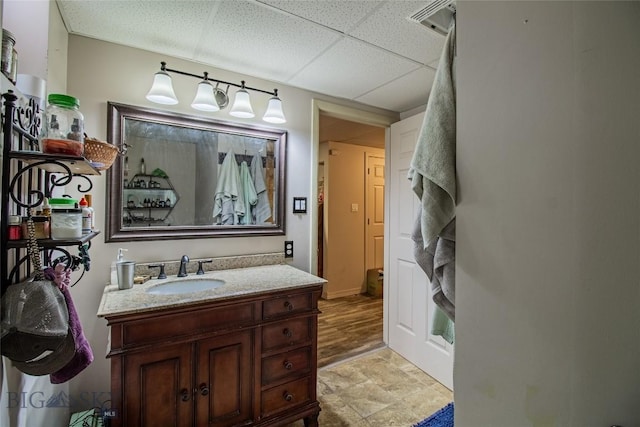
{"x":223,"y":379}
{"x":157,"y":387}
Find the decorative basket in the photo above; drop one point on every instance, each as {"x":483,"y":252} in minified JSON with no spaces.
{"x":101,"y":153}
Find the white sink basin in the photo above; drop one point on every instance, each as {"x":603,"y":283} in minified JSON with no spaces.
{"x":185,"y":286}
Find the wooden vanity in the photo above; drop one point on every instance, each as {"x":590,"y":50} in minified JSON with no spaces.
{"x":226,"y":357}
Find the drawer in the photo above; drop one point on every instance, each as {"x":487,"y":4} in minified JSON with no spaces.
{"x":285,"y":396}
{"x":284,"y":364}
{"x":284,"y":305}
{"x":286,"y":333}
{"x":164,"y":326}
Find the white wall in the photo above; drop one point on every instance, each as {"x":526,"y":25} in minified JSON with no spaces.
{"x":548,"y":229}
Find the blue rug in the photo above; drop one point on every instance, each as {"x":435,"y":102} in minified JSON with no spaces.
{"x":442,"y":418}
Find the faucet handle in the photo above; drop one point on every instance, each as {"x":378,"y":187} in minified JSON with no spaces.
{"x":200,"y":262}
{"x":162,"y":275}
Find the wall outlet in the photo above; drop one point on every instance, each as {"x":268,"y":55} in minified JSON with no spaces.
{"x":288,"y":248}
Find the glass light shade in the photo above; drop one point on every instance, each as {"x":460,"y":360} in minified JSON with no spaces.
{"x":274,"y":113}
{"x":242,"y":105}
{"x":161,"y":91}
{"x":204,"y":100}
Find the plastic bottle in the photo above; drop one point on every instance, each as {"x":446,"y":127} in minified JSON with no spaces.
{"x":46,"y":208}
{"x":114,"y":271}
{"x":86,"y":216}
{"x":143,"y":168}
{"x":89,"y":200}
{"x":14,"y":231}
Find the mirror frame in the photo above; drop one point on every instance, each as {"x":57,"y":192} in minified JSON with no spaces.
{"x":115,"y":231}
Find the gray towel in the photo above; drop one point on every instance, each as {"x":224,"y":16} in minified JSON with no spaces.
{"x":433,"y":166}
{"x":438,"y":262}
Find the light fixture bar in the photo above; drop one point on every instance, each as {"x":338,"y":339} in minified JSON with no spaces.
{"x":211,"y":99}
{"x":163,"y":67}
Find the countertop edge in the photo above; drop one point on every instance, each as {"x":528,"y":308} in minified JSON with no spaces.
{"x":239,"y":283}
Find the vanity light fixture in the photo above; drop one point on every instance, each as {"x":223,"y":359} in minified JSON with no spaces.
{"x":212,"y":99}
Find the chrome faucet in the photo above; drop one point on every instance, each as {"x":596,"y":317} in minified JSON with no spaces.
{"x":183,"y":266}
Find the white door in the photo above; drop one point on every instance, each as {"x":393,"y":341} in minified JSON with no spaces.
{"x":407,"y":286}
{"x":375,"y":212}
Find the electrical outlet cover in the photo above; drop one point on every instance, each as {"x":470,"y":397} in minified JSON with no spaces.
{"x":288,"y":249}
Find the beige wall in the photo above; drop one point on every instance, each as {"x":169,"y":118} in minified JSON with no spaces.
{"x":548,"y":229}
{"x":344,"y":252}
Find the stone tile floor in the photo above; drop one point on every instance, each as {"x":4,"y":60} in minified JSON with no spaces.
{"x":380,"y":389}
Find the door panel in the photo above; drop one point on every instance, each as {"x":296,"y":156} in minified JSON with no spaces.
{"x":156,"y":383}
{"x":410,"y":301}
{"x":223,"y":380}
{"x":375,"y":212}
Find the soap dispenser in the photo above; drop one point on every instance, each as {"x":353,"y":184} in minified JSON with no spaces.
{"x":114,"y":271}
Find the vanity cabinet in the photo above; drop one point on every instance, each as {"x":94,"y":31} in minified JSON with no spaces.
{"x":248,"y":360}
{"x":207,"y":381}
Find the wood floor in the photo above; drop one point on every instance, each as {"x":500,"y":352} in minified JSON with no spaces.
{"x":347,"y":327}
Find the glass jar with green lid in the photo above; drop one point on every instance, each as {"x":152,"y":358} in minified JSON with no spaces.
{"x":63,"y":128}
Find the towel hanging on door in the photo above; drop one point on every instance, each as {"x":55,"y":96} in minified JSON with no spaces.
{"x":433,"y":179}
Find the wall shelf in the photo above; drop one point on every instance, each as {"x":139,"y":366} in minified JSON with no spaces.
{"x":55,"y":163}
{"x":53,"y":243}
{"x":28,"y":177}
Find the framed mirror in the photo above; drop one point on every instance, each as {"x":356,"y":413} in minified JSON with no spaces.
{"x":189,"y":177}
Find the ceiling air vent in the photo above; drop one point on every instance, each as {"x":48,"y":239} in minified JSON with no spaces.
{"x":437,"y":15}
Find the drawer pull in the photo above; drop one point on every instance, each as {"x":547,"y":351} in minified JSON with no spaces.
{"x":287,"y":365}
{"x":204,"y":390}
{"x":287,"y":332}
{"x":184,"y":395}
{"x":288,"y":305}
{"x":287,"y":396}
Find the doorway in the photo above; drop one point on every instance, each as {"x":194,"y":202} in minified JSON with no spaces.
{"x":351,"y":197}
{"x":350,"y":150}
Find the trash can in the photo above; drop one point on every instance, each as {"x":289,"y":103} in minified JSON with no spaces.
{"x":374,"y":282}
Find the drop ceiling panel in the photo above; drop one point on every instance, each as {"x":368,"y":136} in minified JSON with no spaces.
{"x":403,"y":94}
{"x":388,"y":28}
{"x":341,"y":15}
{"x":351,"y":68}
{"x":149,"y":25}
{"x":252,"y":39}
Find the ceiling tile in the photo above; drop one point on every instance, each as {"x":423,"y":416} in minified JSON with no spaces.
{"x":149,"y":25}
{"x":405,"y":93}
{"x":253,"y":39}
{"x":389,"y":28}
{"x":351,"y":68}
{"x":340,"y":15}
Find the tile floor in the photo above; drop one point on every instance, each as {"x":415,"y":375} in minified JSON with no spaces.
{"x":380,"y":389}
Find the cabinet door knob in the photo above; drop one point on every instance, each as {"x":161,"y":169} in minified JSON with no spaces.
{"x":288,"y":306}
{"x":204,"y":389}
{"x":287,"y":332}
{"x":287,"y":364}
{"x":184,"y":394}
{"x":287,"y":396}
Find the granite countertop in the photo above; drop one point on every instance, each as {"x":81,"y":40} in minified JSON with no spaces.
{"x":238,"y":281}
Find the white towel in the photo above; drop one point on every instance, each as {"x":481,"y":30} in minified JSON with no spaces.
{"x":433,"y":166}
{"x":261,"y":212}
{"x":249,"y":196}
{"x":227,"y":204}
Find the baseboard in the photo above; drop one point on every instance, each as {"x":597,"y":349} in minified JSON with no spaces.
{"x":342,"y":293}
